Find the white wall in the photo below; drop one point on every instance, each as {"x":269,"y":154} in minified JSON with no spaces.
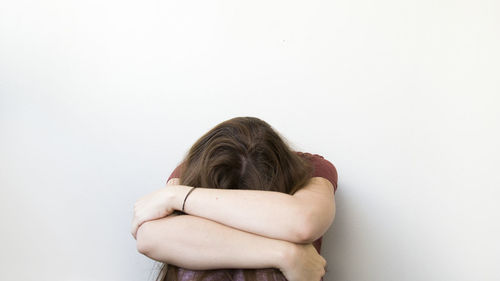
{"x":99,"y":100}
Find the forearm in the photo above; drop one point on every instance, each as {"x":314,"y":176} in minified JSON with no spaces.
{"x":178,"y":239}
{"x":267,"y":213}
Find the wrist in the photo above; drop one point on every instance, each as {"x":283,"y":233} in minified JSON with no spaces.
{"x":176,"y":195}
{"x":285,"y":253}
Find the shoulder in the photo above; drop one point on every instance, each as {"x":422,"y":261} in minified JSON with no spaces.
{"x":322,"y":167}
{"x":176,"y":173}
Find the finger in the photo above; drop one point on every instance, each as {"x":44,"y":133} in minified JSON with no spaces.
{"x":134,"y":229}
{"x":138,"y":203}
{"x":173,"y":181}
{"x":135,"y":226}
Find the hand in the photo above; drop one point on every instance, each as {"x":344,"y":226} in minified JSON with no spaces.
{"x":303,"y":263}
{"x":155,"y":205}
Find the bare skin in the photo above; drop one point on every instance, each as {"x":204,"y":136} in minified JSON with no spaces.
{"x":269,"y":236}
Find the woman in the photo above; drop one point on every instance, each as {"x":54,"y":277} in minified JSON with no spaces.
{"x":241,"y":206}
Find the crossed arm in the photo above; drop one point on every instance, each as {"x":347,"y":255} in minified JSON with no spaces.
{"x":237,"y":228}
{"x":198,"y":243}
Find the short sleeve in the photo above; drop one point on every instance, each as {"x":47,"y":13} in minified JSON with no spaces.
{"x":322,"y":168}
{"x":176,"y":173}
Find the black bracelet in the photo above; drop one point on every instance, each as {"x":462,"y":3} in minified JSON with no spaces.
{"x":187,"y":197}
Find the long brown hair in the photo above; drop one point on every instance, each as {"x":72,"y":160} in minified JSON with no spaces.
{"x":241,"y":153}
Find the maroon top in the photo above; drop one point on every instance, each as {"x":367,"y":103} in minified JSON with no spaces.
{"x":322,"y":168}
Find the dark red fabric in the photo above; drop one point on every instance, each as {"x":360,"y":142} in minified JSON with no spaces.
{"x":176,"y":173}
{"x":322,"y":168}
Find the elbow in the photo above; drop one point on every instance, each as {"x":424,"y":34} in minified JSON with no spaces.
{"x":313,"y":226}
{"x":305,"y":235}
{"x":144,"y":245}
{"x":305,"y":232}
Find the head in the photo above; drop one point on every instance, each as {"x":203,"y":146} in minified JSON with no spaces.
{"x":243,"y":153}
